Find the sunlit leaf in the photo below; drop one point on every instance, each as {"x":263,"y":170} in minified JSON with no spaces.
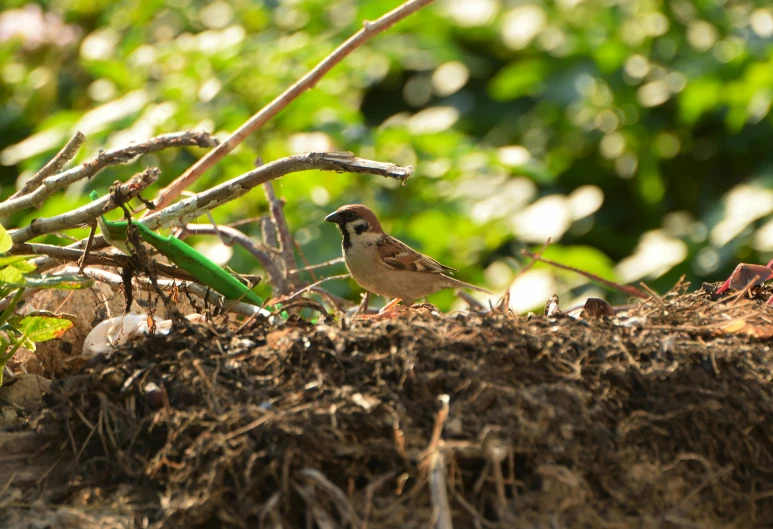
{"x":5,"y":240}
{"x":518,"y":79}
{"x":42,"y":328}
{"x":11,"y":275}
{"x":699,"y":96}
{"x":6,"y":260}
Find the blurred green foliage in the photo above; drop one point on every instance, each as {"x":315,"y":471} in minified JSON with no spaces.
{"x":635,"y":133}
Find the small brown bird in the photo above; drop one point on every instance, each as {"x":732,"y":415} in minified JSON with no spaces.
{"x":385,"y":266}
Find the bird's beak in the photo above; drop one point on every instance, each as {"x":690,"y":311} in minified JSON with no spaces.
{"x":334,"y":217}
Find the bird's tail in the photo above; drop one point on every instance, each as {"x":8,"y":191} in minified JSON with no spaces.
{"x":455,"y":283}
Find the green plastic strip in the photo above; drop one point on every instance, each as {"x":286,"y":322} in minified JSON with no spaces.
{"x":184,"y":256}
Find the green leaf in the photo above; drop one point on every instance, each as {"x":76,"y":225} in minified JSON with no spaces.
{"x":5,"y":240}
{"x":12,"y":276}
{"x":699,"y":97}
{"x":12,"y":259}
{"x":25,"y":266}
{"x":43,"y":328}
{"x":518,"y":79}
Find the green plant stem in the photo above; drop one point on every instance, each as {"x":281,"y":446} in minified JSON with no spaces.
{"x":11,"y":306}
{"x":5,"y":358}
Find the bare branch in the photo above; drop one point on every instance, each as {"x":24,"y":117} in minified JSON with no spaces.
{"x":319,"y":265}
{"x":232,"y":235}
{"x":190,"y":208}
{"x":201,"y":291}
{"x":88,"y":213}
{"x":268,"y":232}
{"x":187,"y":210}
{"x":67,"y":153}
{"x":67,"y":255}
{"x":282,"y":229}
{"x":104,"y":159}
{"x":313,"y":285}
{"x":308,"y":81}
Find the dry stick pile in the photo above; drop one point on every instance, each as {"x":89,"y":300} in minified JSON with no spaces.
{"x":657,"y":417}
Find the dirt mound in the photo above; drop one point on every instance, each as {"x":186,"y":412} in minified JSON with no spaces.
{"x":659,"y":417}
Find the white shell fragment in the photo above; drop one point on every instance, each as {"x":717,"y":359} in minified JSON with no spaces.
{"x":121,"y":329}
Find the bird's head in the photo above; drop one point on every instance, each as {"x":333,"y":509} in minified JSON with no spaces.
{"x":357,"y":223}
{"x":355,"y":219}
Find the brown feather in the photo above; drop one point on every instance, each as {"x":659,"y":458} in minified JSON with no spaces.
{"x":400,"y":256}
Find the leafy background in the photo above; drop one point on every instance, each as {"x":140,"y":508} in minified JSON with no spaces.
{"x":636,"y":134}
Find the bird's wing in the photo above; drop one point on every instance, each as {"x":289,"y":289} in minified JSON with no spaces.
{"x":400,"y":256}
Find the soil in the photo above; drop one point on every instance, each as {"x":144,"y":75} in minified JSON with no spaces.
{"x":658,"y":416}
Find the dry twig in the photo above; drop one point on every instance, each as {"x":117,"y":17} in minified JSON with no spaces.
{"x":206,"y":293}
{"x":190,"y":208}
{"x":308,"y":81}
{"x":88,"y":213}
{"x":625,"y":289}
{"x":231,"y":236}
{"x":282,"y":229}
{"x":50,"y":185}
{"x":67,"y":153}
{"x":341,"y":162}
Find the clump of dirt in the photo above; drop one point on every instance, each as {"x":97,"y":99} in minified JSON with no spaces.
{"x":657,"y":417}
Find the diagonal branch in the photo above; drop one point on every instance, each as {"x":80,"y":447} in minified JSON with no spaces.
{"x":206,"y":293}
{"x":282,"y":229}
{"x":67,"y":153}
{"x":232,"y":235}
{"x":187,"y":210}
{"x":65,"y":255}
{"x":625,"y":289}
{"x":86,"y":214}
{"x":307,"y":82}
{"x":52,"y":184}
{"x":341,"y":162}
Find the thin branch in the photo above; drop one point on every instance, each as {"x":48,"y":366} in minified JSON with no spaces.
{"x":341,"y":162}
{"x":308,"y":81}
{"x":268,"y":233}
{"x":230,"y":236}
{"x":336,"y":301}
{"x":625,"y":289}
{"x":312,"y":286}
{"x":67,"y":153}
{"x":319,"y":265}
{"x":88,"y":213}
{"x":534,"y":258}
{"x":104,"y":159}
{"x":201,"y":291}
{"x":306,"y":262}
{"x":283,"y":230}
{"x":189,"y":209}
{"x":69,"y":255}
{"x":87,"y":250}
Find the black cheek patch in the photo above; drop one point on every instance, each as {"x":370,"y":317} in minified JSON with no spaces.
{"x":347,"y":239}
{"x":361,"y":228}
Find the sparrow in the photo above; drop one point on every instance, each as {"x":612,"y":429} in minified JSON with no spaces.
{"x":385,"y":266}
